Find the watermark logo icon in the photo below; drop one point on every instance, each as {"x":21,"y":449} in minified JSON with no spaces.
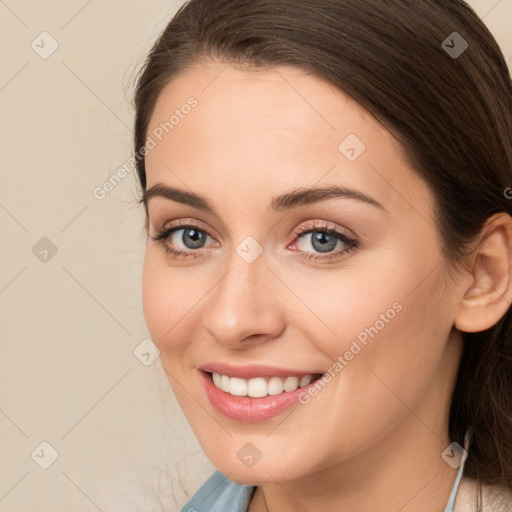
{"x":249,"y":455}
{"x":146,"y":352}
{"x":44,"y":455}
{"x":44,"y":250}
{"x":44,"y":45}
{"x":455,"y":45}
{"x":249,"y":249}
{"x":454,"y":455}
{"x":352,"y":147}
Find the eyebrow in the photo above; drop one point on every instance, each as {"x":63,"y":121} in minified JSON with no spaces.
{"x":287,"y":201}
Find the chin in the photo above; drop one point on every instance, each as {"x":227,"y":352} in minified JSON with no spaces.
{"x":260,"y":472}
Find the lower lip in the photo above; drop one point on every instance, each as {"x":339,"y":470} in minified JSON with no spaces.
{"x":251,"y":410}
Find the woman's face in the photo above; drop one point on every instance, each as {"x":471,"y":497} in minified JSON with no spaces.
{"x":275,"y":155}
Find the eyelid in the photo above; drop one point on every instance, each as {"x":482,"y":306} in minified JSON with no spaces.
{"x":300,"y":230}
{"x":321,"y":225}
{"x":185,"y":222}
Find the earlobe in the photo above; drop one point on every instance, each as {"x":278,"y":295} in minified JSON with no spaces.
{"x":489,"y":294}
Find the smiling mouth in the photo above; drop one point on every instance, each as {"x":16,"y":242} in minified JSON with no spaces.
{"x":260,"y":387}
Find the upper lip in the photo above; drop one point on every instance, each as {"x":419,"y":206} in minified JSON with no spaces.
{"x":253,"y":370}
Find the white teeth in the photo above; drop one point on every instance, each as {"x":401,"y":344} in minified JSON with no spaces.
{"x":275,"y":386}
{"x":238,"y":387}
{"x":224,"y":383}
{"x":259,"y":387}
{"x":216,"y":380}
{"x":304,"y":381}
{"x":291,"y":383}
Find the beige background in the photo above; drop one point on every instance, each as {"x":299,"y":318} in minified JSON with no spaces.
{"x":70,"y":323}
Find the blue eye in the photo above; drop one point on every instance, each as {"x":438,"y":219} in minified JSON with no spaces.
{"x":322,"y":241}
{"x":326,"y":242}
{"x":192,"y":238}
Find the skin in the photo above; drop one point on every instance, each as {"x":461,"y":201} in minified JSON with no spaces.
{"x":372,"y":439}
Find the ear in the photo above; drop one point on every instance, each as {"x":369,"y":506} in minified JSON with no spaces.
{"x":489,"y":294}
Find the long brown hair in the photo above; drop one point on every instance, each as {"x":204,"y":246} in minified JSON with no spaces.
{"x":451,"y":109}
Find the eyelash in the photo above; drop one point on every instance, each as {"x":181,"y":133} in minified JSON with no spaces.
{"x":162,"y":236}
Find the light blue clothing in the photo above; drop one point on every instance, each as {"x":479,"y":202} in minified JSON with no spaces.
{"x":219,"y":494}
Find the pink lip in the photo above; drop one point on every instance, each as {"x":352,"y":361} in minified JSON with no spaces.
{"x":252,"y":371}
{"x":248,"y":409}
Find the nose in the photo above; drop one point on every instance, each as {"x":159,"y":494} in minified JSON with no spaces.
{"x":244,"y":307}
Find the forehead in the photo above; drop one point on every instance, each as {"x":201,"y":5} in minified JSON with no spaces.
{"x":262,"y":128}
{"x":265,"y":99}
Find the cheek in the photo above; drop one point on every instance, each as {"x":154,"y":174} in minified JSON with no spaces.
{"x":154,"y":298}
{"x":165,"y":300}
{"x":347,"y":305}
{"x":388,"y":315}
{"x":399,"y":340}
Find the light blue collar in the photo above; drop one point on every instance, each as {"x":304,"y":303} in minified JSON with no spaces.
{"x":451,"y":501}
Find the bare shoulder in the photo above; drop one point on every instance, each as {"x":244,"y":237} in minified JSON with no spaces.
{"x":494,"y":498}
